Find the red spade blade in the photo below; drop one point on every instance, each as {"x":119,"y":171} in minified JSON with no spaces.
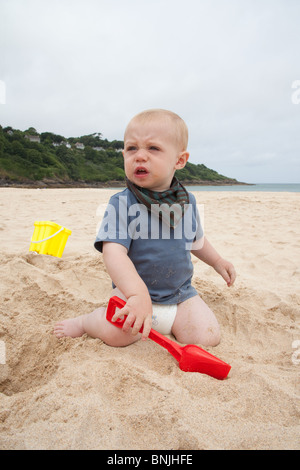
{"x":195,"y":359}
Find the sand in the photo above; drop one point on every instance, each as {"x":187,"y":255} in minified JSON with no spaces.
{"x":82,"y":394}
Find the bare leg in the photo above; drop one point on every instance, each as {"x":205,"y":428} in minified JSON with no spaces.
{"x":195,"y":323}
{"x":95,"y":325}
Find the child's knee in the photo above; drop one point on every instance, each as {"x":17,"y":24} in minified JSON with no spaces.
{"x":207,"y":336}
{"x":212,"y":336}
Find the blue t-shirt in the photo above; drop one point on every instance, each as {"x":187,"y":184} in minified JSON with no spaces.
{"x":161,"y":254}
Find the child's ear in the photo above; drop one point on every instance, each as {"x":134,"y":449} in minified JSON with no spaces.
{"x":181,"y":160}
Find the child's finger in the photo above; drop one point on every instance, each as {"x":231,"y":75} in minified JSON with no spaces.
{"x":225,"y":275}
{"x":232,"y":275}
{"x":129,"y":320}
{"x":137,"y":326}
{"x":147,"y":328}
{"x":120,"y":313}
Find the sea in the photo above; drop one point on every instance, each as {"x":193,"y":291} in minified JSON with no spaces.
{"x":268,"y":187}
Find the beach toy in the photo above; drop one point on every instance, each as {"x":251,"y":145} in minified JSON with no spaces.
{"x":49,"y":238}
{"x":191,"y":358}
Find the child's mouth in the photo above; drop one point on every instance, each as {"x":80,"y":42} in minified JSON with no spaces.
{"x":141,"y":172}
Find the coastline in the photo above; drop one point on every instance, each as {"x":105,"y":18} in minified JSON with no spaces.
{"x":105,"y":185}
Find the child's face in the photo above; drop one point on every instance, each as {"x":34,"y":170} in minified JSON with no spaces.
{"x":152,"y":154}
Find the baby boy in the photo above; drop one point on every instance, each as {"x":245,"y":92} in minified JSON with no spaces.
{"x":149,"y":257}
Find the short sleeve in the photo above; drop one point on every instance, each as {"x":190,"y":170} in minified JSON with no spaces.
{"x":114,"y":225}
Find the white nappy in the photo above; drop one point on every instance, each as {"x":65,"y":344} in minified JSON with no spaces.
{"x":163,"y":316}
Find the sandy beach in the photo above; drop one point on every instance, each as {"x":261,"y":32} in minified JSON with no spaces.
{"x":82,"y":394}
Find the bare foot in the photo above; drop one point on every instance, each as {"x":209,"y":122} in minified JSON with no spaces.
{"x":72,"y":327}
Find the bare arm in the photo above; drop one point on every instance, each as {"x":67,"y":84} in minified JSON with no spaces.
{"x":124,"y":275}
{"x":210,"y":256}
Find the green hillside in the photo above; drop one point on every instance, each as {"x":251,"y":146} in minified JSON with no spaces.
{"x":53,"y":160}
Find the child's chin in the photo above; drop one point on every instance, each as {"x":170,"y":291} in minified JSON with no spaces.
{"x":141,"y":180}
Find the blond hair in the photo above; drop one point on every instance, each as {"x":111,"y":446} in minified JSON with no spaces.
{"x":180,"y":127}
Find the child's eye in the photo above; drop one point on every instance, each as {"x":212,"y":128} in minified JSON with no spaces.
{"x":130,"y":148}
{"x":153,"y":147}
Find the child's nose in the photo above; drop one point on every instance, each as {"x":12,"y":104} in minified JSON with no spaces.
{"x":141,"y":155}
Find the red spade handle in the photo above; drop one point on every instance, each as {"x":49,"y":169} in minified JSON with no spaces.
{"x":190,"y":357}
{"x":170,"y":345}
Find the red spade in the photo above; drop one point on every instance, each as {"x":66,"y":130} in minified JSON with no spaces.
{"x":191,"y":358}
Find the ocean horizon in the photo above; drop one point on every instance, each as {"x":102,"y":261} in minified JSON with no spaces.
{"x":267,"y":187}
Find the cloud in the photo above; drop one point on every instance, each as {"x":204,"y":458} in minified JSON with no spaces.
{"x":77,"y":67}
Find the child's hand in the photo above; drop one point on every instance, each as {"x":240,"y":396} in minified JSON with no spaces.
{"x":226,"y":270}
{"x":139,"y":311}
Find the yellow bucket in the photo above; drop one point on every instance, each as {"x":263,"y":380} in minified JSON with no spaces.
{"x":49,"y":238}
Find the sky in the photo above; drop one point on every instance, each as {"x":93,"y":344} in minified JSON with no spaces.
{"x":229,"y":68}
